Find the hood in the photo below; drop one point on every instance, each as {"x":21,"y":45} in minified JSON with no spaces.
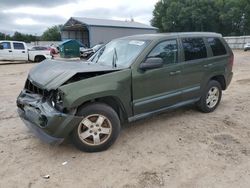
{"x":51,"y":74}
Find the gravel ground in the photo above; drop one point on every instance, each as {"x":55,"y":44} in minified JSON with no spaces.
{"x":182,"y":148}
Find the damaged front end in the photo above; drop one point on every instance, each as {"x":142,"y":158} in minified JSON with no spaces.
{"x":41,"y":105}
{"x":39,"y":115}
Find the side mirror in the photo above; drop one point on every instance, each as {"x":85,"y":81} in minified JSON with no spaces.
{"x":151,"y":63}
{"x":1,"y":47}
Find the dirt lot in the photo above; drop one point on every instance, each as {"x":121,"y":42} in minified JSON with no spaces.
{"x":183,"y":148}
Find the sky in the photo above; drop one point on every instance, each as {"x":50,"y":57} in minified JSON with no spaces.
{"x":34,"y":16}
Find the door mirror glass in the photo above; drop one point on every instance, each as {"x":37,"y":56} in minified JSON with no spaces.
{"x":1,"y":47}
{"x":152,"y":63}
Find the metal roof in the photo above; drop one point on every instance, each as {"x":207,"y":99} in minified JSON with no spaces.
{"x":112,"y":23}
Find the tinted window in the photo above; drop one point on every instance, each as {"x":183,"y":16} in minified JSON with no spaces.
{"x":217,"y":47}
{"x":166,"y":50}
{"x":194,"y":48}
{"x":6,"y":45}
{"x":18,"y":46}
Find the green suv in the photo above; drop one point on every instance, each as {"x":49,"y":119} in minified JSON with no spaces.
{"x":128,"y":79}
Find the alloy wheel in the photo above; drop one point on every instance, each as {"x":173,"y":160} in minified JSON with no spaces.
{"x":212,"y":97}
{"x":94,"y":129}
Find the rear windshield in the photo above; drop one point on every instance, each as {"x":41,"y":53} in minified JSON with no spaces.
{"x":217,"y":47}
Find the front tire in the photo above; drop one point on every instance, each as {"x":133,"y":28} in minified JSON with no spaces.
{"x":98,"y":129}
{"x":211,"y":97}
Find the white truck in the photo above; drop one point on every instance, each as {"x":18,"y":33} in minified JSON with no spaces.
{"x":18,"y":51}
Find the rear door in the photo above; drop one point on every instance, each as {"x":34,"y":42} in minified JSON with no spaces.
{"x":195,"y":63}
{"x":6,"y":52}
{"x":158,"y":88}
{"x":220,"y":58}
{"x":19,"y":51}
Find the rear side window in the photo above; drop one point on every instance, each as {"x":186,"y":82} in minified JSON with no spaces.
{"x":6,"y":45}
{"x":194,"y":48}
{"x":18,"y":46}
{"x":217,"y":47}
{"x":166,"y":50}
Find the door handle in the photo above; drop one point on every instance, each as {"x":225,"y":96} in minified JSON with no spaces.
{"x":23,"y":51}
{"x":10,"y":50}
{"x":175,"y":72}
{"x":208,"y":65}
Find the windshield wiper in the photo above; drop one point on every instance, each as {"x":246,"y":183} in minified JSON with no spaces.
{"x":98,"y":54}
{"x":115,"y":58}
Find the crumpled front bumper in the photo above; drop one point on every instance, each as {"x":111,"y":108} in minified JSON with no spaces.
{"x":45,"y":121}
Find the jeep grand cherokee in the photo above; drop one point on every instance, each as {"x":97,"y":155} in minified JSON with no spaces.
{"x":128,"y":79}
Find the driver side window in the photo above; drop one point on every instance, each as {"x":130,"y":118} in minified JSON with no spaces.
{"x":5,"y":45}
{"x":166,"y":50}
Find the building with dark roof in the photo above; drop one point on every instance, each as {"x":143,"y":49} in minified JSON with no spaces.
{"x":91,"y":31}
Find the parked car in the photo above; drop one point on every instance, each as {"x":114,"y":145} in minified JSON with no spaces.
{"x":247,"y":46}
{"x":86,"y":53}
{"x":128,"y":79}
{"x":16,"y":50}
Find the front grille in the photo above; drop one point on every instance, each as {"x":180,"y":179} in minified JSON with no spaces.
{"x":34,"y":89}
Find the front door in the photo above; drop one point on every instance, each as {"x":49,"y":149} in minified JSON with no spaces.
{"x":5,"y":51}
{"x":158,"y":88}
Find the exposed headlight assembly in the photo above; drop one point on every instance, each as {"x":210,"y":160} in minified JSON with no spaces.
{"x":57,"y":100}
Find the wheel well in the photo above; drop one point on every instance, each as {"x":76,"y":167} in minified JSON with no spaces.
{"x":113,"y":102}
{"x":221,"y":80}
{"x":40,"y":57}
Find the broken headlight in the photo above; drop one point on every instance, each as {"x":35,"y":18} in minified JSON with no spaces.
{"x":57,"y":99}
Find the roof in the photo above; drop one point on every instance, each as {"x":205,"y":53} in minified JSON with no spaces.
{"x":112,"y":23}
{"x":177,"y":34}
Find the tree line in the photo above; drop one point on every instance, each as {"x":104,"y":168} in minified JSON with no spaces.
{"x":228,"y":17}
{"x":50,"y":34}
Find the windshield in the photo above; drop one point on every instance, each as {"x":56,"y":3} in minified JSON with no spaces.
{"x":119,"y":52}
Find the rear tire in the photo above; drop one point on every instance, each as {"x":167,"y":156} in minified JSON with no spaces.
{"x":98,"y":129}
{"x":211,"y":97}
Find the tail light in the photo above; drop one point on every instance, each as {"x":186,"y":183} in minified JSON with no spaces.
{"x":231,"y":59}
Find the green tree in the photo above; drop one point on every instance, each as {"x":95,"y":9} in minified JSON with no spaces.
{"x":228,"y":17}
{"x":52,"y":33}
{"x":23,"y":37}
{"x":4,"y":36}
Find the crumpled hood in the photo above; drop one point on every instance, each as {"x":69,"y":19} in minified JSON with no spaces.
{"x":51,"y":74}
